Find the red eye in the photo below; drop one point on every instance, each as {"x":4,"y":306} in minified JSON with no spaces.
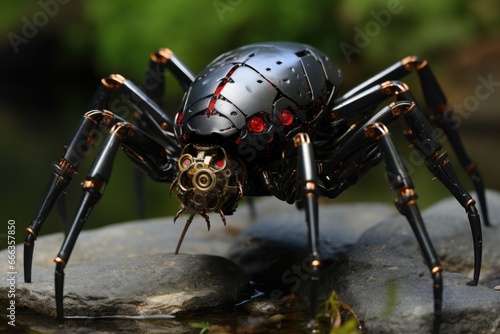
{"x":256,"y":124}
{"x":220,"y":164}
{"x":179,"y":118}
{"x":286,"y":117}
{"x":186,"y":162}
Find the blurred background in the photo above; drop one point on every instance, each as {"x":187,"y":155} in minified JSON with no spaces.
{"x":54,"y":52}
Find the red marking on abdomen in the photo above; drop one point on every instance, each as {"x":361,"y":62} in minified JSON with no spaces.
{"x":220,"y":87}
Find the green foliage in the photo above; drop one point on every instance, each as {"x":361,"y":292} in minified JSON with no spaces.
{"x":197,"y":30}
{"x":392,"y":292}
{"x":337,"y":317}
{"x":200,"y":30}
{"x":418,"y":27}
{"x":203,"y":326}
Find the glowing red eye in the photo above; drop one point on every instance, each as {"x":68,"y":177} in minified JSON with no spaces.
{"x":179,"y":119}
{"x":186,"y":162}
{"x":256,"y":124}
{"x":220,"y":164}
{"x":286,"y":117}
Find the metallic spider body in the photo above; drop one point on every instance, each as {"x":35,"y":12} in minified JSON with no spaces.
{"x":264,"y":120}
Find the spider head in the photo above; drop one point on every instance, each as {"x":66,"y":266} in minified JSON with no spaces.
{"x":209,"y":180}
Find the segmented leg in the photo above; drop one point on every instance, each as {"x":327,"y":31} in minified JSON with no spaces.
{"x":422,"y":136}
{"x":62,"y":175}
{"x":142,"y":150}
{"x":437,"y":103}
{"x":62,"y":212}
{"x":358,"y":146}
{"x":447,"y":123}
{"x":154,"y":88}
{"x":188,"y":223}
{"x":93,"y":188}
{"x":184,"y":230}
{"x":154,"y":80}
{"x":405,"y":200}
{"x":308,"y":195}
{"x":429,"y":147}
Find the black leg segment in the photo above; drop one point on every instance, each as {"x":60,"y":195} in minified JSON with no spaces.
{"x":93,"y":188}
{"x":435,"y":100}
{"x":308,"y":195}
{"x":63,"y":172}
{"x":429,"y":147}
{"x":405,"y":200}
{"x":146,"y":153}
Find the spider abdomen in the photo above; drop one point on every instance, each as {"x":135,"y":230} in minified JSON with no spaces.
{"x":255,"y":98}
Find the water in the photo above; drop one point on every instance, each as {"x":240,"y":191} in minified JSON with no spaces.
{"x":243,"y":318}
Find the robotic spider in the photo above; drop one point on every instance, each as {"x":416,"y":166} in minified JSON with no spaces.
{"x":264,"y":120}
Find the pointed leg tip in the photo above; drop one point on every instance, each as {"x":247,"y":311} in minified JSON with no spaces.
{"x":28,"y":259}
{"x":59,"y":290}
{"x":27,"y":272}
{"x":472,"y":283}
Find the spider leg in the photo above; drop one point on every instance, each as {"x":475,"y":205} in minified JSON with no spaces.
{"x":154,"y":87}
{"x":93,"y":188}
{"x":154,"y":81}
{"x":443,"y":115}
{"x":183,"y":234}
{"x":423,"y":137}
{"x":62,"y":175}
{"x":405,"y":200}
{"x":446,"y":121}
{"x":149,"y":112}
{"x":429,"y":147}
{"x":350,"y":159}
{"x":308,"y":195}
{"x":150,"y":117}
{"x":62,"y":212}
{"x":144,"y":152}
{"x":139,"y":185}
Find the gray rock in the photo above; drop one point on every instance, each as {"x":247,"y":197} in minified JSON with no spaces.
{"x":138,"y":238}
{"x":129,"y":269}
{"x":385,"y":280}
{"x":376,"y":268}
{"x":273,"y":249}
{"x":151,"y":285}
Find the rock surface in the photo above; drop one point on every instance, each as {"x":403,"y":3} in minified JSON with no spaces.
{"x":130,"y":269}
{"x":273,"y":249}
{"x":150,"y":285}
{"x":386,"y":281}
{"x":383,"y":276}
{"x":376,"y":268}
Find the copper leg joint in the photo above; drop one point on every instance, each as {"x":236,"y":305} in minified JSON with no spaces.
{"x":301,"y":138}
{"x":30,"y":231}
{"x":99,"y":185}
{"x":113,"y":81}
{"x":376,"y":130}
{"x":66,"y":167}
{"x":406,"y":196}
{"x":315,"y":263}
{"x":122,"y":130}
{"x":393,"y":87}
{"x":61,"y":261}
{"x":162,"y":56}
{"x":469,"y":203}
{"x":413,"y":62}
{"x":436,"y":269}
{"x":470,"y":168}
